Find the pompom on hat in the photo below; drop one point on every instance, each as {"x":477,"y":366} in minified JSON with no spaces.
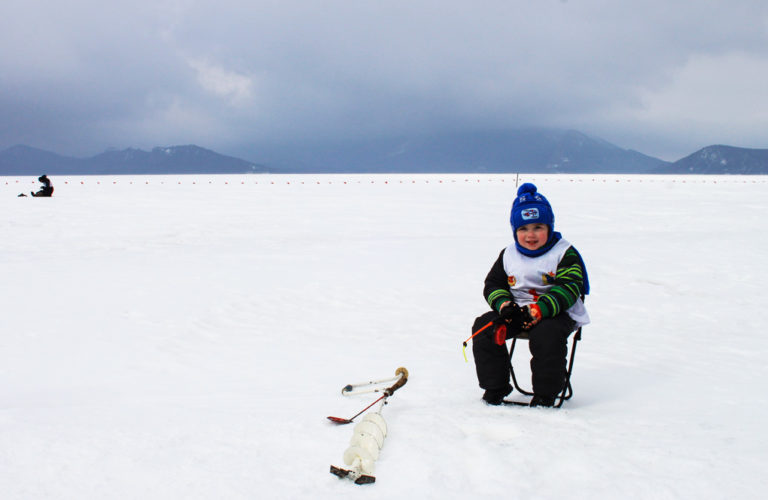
{"x":531,"y":207}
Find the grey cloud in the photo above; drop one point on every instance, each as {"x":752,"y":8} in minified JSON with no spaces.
{"x":229,"y":73}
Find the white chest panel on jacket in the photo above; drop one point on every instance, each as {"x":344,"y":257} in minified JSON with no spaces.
{"x":531,"y":277}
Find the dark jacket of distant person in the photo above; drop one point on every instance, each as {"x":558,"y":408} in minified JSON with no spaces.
{"x":46,"y":189}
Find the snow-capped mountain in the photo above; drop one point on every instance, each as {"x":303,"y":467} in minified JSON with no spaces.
{"x":720,"y":159}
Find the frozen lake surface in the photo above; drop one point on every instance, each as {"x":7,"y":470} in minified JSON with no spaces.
{"x":185,"y":337}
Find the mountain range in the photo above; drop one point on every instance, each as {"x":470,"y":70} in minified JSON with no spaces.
{"x":721,"y":160}
{"x":524,"y":150}
{"x":24,"y":160}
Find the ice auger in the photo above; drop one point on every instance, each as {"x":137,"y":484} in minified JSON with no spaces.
{"x":368,"y":435}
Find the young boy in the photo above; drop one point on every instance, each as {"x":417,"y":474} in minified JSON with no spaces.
{"x":535,"y":285}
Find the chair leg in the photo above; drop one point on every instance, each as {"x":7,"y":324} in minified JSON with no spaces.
{"x":512,"y":369}
{"x":567,"y":391}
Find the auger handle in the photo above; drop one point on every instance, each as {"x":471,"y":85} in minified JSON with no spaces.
{"x":401,"y":381}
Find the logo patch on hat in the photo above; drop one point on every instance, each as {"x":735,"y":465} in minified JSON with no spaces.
{"x":530,"y":213}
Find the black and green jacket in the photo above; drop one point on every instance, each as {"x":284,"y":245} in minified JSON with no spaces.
{"x":568,"y":285}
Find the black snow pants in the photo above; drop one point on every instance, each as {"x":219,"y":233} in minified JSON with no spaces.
{"x":548,"y":343}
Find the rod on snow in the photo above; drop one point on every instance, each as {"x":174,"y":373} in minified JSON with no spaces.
{"x":368,"y":436}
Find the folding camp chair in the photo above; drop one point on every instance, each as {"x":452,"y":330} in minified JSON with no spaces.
{"x":567,"y":389}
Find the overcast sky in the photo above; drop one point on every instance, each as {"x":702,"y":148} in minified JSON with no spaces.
{"x":659,"y":76}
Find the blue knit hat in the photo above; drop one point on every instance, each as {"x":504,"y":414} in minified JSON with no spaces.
{"x":531,"y":207}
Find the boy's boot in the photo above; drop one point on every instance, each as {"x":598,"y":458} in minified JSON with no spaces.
{"x":542,"y":400}
{"x":495,"y":396}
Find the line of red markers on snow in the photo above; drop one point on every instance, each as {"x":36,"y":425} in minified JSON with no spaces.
{"x":437,"y":181}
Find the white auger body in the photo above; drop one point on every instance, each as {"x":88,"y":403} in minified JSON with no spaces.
{"x":368,"y":435}
{"x":365,"y":445}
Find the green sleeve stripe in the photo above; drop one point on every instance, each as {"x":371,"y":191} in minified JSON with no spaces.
{"x":574,"y":270}
{"x":498,"y":296}
{"x":558,"y":299}
{"x":568,"y":286}
{"x":551,"y":306}
{"x":571,"y":254}
{"x":574,"y":289}
{"x":571,"y":289}
{"x":567,"y":298}
{"x":544,"y":308}
{"x":570,"y":276}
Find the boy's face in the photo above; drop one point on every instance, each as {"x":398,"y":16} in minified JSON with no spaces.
{"x":532,"y":236}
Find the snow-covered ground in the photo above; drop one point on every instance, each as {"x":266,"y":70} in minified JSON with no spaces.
{"x":185,"y":338}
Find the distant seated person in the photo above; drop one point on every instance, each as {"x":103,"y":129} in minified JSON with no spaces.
{"x":47,"y":189}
